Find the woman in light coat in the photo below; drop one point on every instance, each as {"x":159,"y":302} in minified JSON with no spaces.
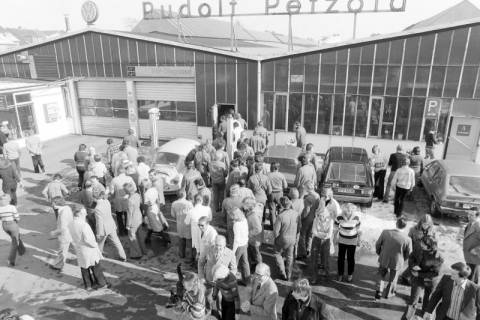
{"x":134,"y":221}
{"x":88,"y":253}
{"x":198,"y":211}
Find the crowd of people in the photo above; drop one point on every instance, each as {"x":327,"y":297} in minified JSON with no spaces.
{"x":223,"y":208}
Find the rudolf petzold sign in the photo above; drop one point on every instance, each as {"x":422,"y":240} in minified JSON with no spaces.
{"x":228,"y":8}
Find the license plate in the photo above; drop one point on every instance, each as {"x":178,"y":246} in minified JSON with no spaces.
{"x":346,"y":190}
{"x":466,"y":206}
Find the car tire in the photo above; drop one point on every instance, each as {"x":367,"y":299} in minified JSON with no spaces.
{"x":369,"y":205}
{"x":433,"y":209}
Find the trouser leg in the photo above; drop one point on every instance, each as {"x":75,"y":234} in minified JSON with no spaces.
{"x":121,"y":221}
{"x":117,"y":245}
{"x":11,"y":228}
{"x":386,"y":196}
{"x":13,"y":196}
{"x":351,"y":258}
{"x":101,"y":242}
{"x":289,"y":260}
{"x":87,"y":278}
{"x":35,"y":164}
{"x":135,"y":251}
{"x":314,"y":257}
{"x":98,"y":274}
{"x":242,"y":262}
{"x":279,"y":261}
{"x":228,"y":310}
{"x":182,"y":243}
{"x":325,"y":255}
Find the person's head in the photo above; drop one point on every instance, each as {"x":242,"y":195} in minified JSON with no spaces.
{"x":121,"y":170}
{"x":181,"y":194}
{"x":375,"y":149}
{"x":473,"y":214}
{"x":238,"y":215}
{"x":321,"y":210}
{"x":301,"y":290}
{"x":258,"y":157}
{"x":5,"y":199}
{"x":400,"y":148}
{"x":293,"y":194}
{"x":223,"y":118}
{"x":425,"y":222}
{"x":219,"y":156}
{"x":129,"y":188}
{"x":57,"y":177}
{"x":109,"y":141}
{"x":303,"y":159}
{"x":309,"y":147}
{"x":131,"y":131}
{"x":146,"y":183}
{"x":242,"y":183}
{"x":203,"y":223}
{"x":220,"y":243}
{"x":275,"y":166}
{"x":93,"y":179}
{"x":460,"y":272}
{"x":285,"y":203}
{"x":99,"y":195}
{"x":237,"y":116}
{"x":234,"y":163}
{"x":262,"y":273}
{"x":260,"y":123}
{"x":405,"y":162}
{"x":258,"y":167}
{"x":91,"y":151}
{"x":141,"y":159}
{"x":242,"y":145}
{"x":80,"y":212}
{"x":190,"y":281}
{"x":198,"y":199}
{"x":190,"y":164}
{"x":349,"y":210}
{"x":416,"y":150}
{"x":297,"y":124}
{"x":401,"y":223}
{"x":199,"y":183}
{"x":234,"y":190}
{"x":122,"y":147}
{"x":248,"y":204}
{"x":327,"y":193}
{"x":82,"y":147}
{"x":236,"y":125}
{"x":97,"y":158}
{"x":58,"y":201}
{"x":220,"y":272}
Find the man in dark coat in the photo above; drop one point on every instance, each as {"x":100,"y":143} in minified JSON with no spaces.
{"x":10,"y":179}
{"x":301,"y":304}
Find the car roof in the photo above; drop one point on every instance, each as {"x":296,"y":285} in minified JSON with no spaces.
{"x":350,"y":154}
{"x":179,"y":146}
{"x":283,"y":151}
{"x":460,"y":167}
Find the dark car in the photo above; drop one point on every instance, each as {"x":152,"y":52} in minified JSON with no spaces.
{"x":287,"y":156}
{"x":452,"y":186}
{"x":347,"y":171}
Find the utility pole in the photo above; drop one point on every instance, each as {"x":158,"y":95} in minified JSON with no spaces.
{"x":355,"y":25}
{"x":290,"y":34}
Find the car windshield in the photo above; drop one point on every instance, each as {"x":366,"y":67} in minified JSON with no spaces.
{"x":347,"y":172}
{"x":465,"y":186}
{"x":286,"y":165}
{"x":170,"y":159}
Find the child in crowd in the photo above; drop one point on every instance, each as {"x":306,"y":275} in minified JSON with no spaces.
{"x":55,"y":188}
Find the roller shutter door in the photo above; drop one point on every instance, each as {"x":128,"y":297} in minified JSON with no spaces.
{"x":103,"y":126}
{"x":166,"y":91}
{"x":170,"y":129}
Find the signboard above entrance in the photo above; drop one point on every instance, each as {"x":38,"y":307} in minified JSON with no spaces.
{"x":226,"y":8}
{"x":161,"y":72}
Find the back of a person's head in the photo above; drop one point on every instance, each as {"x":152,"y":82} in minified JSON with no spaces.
{"x":293,"y":193}
{"x":309,"y":147}
{"x":97,"y":158}
{"x":82,"y":147}
{"x":198,"y":198}
{"x":109,"y":141}
{"x":57,"y":176}
{"x":401,"y":223}
{"x":241,"y":182}
{"x":141,"y":159}
{"x":199,"y":182}
{"x":218,"y":156}
{"x":258,"y":167}
{"x":399,"y":148}
{"x":275,"y":166}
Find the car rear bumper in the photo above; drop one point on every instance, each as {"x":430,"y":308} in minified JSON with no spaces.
{"x":453,"y":211}
{"x":352,"y":198}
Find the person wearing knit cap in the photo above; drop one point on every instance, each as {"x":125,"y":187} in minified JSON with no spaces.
{"x":459,"y":297}
{"x":226,"y":285}
{"x":229,"y":204}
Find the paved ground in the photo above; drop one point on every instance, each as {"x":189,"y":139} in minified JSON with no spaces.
{"x":141,"y":289}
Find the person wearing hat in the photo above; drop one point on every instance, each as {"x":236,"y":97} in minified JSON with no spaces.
{"x":394,"y":162}
{"x":10,"y":179}
{"x":424,"y":267}
{"x":10,"y":218}
{"x":455,"y":297}
{"x":228,"y":206}
{"x":119,"y":201}
{"x":262,"y":302}
{"x":285,"y":232}
{"x":225,"y":286}
{"x":305,"y":173}
{"x":471,"y":244}
{"x":311,"y":202}
{"x":65,"y":216}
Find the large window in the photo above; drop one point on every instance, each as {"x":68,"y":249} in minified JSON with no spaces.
{"x":310,"y":113}
{"x":294,"y":110}
{"x":169,"y":110}
{"x":103,"y":108}
{"x":324,"y":113}
{"x":337,"y":127}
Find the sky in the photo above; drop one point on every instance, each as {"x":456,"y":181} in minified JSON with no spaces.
{"x":123,"y":15}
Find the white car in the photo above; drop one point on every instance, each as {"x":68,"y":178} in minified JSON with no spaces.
{"x":169,"y":159}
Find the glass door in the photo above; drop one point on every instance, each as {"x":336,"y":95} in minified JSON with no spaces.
{"x":376,"y":115}
{"x":280,"y":112}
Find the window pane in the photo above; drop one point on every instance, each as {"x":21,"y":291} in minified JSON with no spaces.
{"x":168,"y":115}
{"x":474,"y":47}
{"x":187,"y":106}
{"x":267,"y":76}
{"x":242,"y":96}
{"x":186,"y":116}
{"x":411,"y":50}
{"x":416,"y":117}
{"x":379,"y":79}
{"x":329,"y":57}
{"x":342,"y":56}
{"x":311,"y":73}
{"x":396,"y":52}
{"x":327,"y":78}
{"x":21,"y":98}
{"x":468,"y":82}
{"x":442,"y":47}
{"x":375,"y":113}
{"x":367,"y":54}
{"x":294,"y":110}
{"x":389,"y":109}
{"x":353,"y":74}
{"x":120,"y":113}
{"x":338,"y":114}
{"x":297,"y":66}
{"x":459,"y":43}
{"x":436,"y":81}
{"x":252,"y":94}
{"x":365,"y":79}
{"x":231,"y":78}
{"x":103,"y":103}
{"x":166,"y":105}
{"x":421,"y":82}
{"x":408,"y":77}
{"x":86,"y":111}
{"x":280,"y":112}
{"x":200,"y":83}
{"x":426,"y":49}
{"x":402,"y":118}
{"x":451,"y":83}
{"x":281,"y":75}
{"x":209,"y":89}
{"x":324,"y":113}
{"x":267,"y":116}
{"x":477,"y":90}
{"x":381,"y":56}
{"x":86,"y":102}
{"x":310,"y":113}
{"x":341,"y":78}
{"x":355,"y":55}
{"x":393,"y":78}
{"x":27,"y":122}
{"x":120,"y":104}
{"x":350,"y":111}
{"x":361,"y":119}
{"x":444,"y":115}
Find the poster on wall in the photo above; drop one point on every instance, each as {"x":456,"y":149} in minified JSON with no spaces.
{"x":51,"y":112}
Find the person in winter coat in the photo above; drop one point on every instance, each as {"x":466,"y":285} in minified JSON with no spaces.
{"x":471,"y":245}
{"x":88,"y":253}
{"x":10,"y":179}
{"x":302,"y":304}
{"x":262,"y":302}
{"x":253,"y":214}
{"x":425,"y":269}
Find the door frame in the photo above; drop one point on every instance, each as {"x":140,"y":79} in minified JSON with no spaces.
{"x":380,"y":118}
{"x":274,"y":117}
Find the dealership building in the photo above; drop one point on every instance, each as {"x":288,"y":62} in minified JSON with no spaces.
{"x":385,"y":90}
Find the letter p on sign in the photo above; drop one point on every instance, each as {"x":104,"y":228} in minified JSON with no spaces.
{"x":433,"y":108}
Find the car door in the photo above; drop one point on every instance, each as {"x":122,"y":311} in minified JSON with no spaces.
{"x":437,"y":185}
{"x":430,"y":171}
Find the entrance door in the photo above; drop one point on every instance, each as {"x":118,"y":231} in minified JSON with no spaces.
{"x":463,"y":139}
{"x":280,"y":112}
{"x":376,"y":115}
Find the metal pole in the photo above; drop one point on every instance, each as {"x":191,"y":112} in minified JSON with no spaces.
{"x":355,"y":25}
{"x":232,"y":34}
{"x":290,"y":34}
{"x":153,"y":115}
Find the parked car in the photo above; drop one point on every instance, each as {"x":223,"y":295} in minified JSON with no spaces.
{"x":347,"y":171}
{"x":170,"y":161}
{"x":287,"y":156}
{"x":452,"y":187}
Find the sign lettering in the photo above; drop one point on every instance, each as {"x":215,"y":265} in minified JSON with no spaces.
{"x":464,"y":130}
{"x":433,"y":108}
{"x":227,"y":8}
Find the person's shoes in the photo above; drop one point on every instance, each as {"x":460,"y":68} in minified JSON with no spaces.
{"x":302,"y":258}
{"x":378,"y":295}
{"x":106,"y":286}
{"x":349,"y":279}
{"x":339,"y":278}
{"x":54,"y":268}
{"x":10,"y":264}
{"x":122,"y":259}
{"x":88,"y":289}
{"x":136,"y":258}
{"x":385,"y":201}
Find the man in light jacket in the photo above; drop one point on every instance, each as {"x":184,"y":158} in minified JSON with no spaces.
{"x":393,"y":248}
{"x":65,"y":217}
{"x":34,"y":146}
{"x":403,"y":180}
{"x":105,"y":226}
{"x":262,"y":303}
{"x":180,"y":209}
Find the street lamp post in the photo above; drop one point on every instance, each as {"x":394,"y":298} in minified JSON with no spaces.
{"x":154,"y":115}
